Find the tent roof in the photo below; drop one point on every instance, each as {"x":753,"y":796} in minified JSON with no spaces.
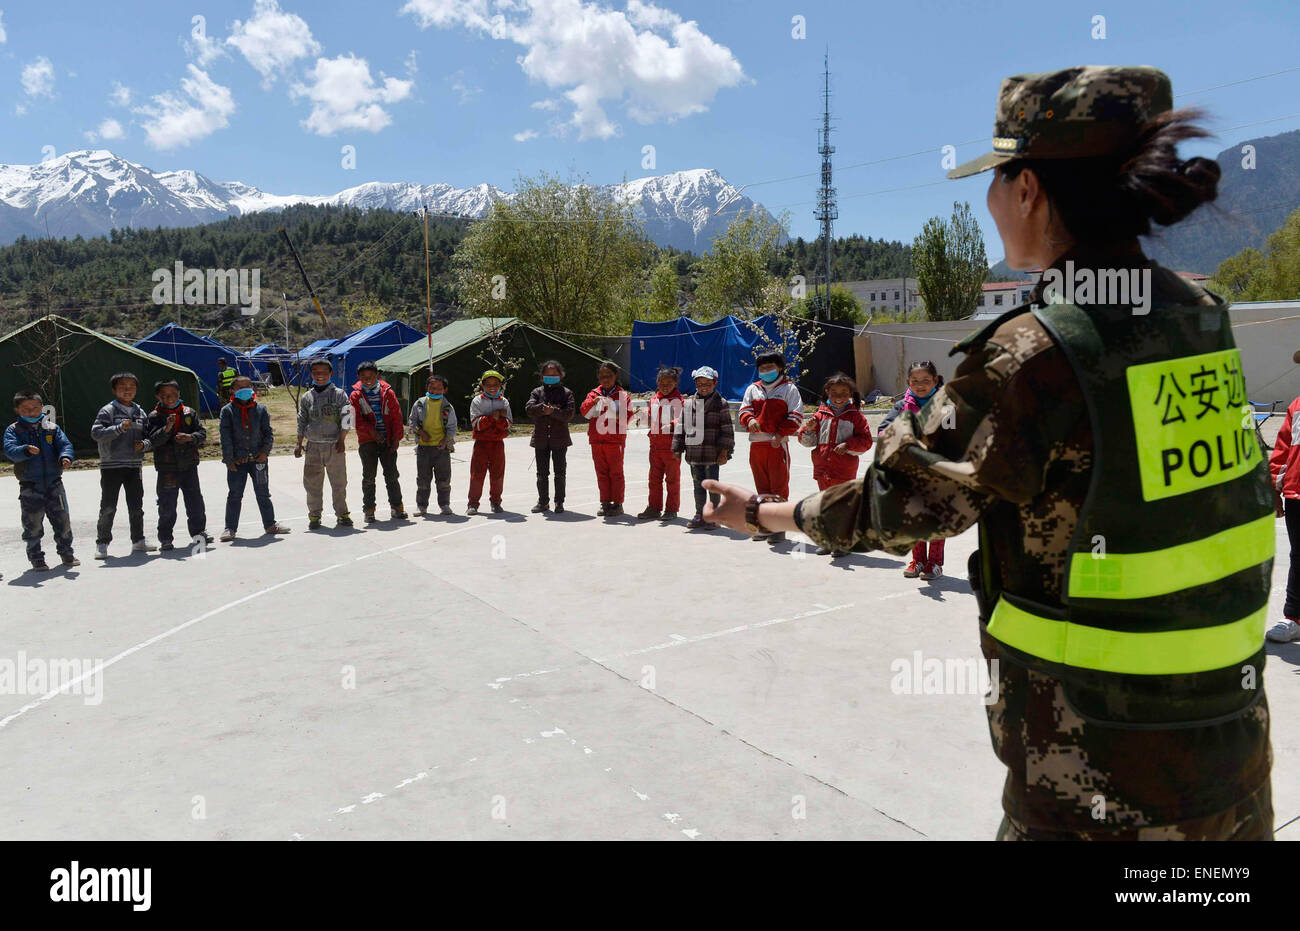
{"x":453,"y":337}
{"x":316,"y":348}
{"x":267,"y":348}
{"x":364,"y":335}
{"x":125,"y":347}
{"x":168,"y":330}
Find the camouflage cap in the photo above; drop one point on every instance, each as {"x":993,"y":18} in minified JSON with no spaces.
{"x":1072,"y":113}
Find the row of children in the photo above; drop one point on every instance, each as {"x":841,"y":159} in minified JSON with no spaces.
{"x":697,"y":428}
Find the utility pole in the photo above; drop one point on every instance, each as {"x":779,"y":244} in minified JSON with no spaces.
{"x":827,"y":210}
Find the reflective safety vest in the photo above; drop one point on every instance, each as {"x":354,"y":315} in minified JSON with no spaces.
{"x":225,"y":379}
{"x":1170,"y":564}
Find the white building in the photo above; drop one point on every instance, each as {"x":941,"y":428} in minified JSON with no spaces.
{"x":891,"y":294}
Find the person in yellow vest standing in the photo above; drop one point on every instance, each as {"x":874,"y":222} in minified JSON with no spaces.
{"x":432,"y":424}
{"x":1101,"y":438}
{"x":225,"y":379}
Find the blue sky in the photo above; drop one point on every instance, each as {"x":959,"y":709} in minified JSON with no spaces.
{"x":466,"y":91}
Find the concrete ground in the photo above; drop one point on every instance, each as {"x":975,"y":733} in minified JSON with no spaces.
{"x":509,"y":676}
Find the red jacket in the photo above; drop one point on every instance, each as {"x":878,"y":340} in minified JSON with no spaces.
{"x":607,"y":417}
{"x":824,"y":430}
{"x":777,"y":407}
{"x":365,"y":418}
{"x":1282,"y":466}
{"x":663,"y":414}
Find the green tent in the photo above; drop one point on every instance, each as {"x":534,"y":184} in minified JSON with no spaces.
{"x":70,"y":366}
{"x":460,"y":351}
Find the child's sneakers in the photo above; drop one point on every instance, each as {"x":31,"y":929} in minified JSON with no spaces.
{"x":445,"y":510}
{"x":227,"y":536}
{"x":277,"y":528}
{"x":540,"y":507}
{"x":497,"y":508}
{"x":1284,"y":631}
{"x":69,"y":560}
{"x":613,"y":509}
{"x":343,"y":520}
{"x":313,"y":522}
{"x":668,"y":516}
{"x":101,"y":551}
{"x":931,"y":571}
{"x":40,"y":565}
{"x":649,"y":514}
{"x":913,"y":569}
{"x":472,"y":510}
{"x":399,"y":514}
{"x":370,"y":517}
{"x":559,"y":507}
{"x":143,"y":546}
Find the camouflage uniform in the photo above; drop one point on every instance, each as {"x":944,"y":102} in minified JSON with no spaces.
{"x":1008,"y":442}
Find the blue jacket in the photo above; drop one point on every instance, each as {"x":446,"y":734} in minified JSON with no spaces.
{"x":244,"y":444}
{"x":43,"y":469}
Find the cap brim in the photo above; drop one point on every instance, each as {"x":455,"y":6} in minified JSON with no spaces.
{"x":983,"y":163}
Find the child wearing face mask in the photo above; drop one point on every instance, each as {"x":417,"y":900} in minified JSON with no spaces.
{"x":40,"y":451}
{"x":175,"y":434}
{"x":432,"y":423}
{"x":490,"y":419}
{"x":322,"y":426}
{"x":772,"y":412}
{"x":923,"y":381}
{"x":551,"y":405}
{"x":246,"y":442}
{"x":608,"y":407}
{"x":838,"y":434}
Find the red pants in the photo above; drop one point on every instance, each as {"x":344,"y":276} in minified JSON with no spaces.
{"x":771,"y":467}
{"x":609,"y":470}
{"x":936,"y":552}
{"x":833,"y":468}
{"x":489,"y":458}
{"x":665,"y":470}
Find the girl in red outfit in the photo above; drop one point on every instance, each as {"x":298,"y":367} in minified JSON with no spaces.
{"x":838,"y":434}
{"x":490,"y":419}
{"x":607,"y":408}
{"x":664,"y":411}
{"x":923,"y":380}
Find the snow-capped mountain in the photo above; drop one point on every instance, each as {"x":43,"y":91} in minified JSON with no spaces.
{"x":90,"y":192}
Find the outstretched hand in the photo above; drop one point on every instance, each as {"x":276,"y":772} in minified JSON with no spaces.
{"x":730,"y":511}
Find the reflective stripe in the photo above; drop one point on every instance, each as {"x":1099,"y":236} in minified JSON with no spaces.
{"x":1159,"y":572}
{"x":1159,"y":653}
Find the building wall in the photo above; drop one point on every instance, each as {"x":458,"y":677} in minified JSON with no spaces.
{"x":1266,"y":332}
{"x":878,"y":294}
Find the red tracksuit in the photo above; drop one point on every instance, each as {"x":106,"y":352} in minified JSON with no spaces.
{"x":778,"y":410}
{"x":664,"y":413}
{"x":489,"y":456}
{"x":824,"y":431}
{"x":607,"y":417}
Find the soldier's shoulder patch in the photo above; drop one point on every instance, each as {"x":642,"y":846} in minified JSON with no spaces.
{"x":982,"y":335}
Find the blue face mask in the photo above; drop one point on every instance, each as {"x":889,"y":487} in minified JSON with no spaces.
{"x":244,"y":394}
{"x":37,"y":419}
{"x":550,"y":379}
{"x":433,"y":397}
{"x":493,"y":394}
{"x":769,"y":377}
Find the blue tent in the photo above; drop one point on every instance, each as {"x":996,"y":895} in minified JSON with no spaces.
{"x":199,"y":353}
{"x":262,"y":356}
{"x":369,"y":344}
{"x":726,"y":345}
{"x":297,"y":369}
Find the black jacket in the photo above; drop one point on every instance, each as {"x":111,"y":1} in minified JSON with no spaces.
{"x":168,"y":455}
{"x":550,"y":431}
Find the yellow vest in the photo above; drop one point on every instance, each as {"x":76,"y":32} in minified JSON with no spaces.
{"x":433,"y":422}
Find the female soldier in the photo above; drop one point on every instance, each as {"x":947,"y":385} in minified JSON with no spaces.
{"x":1098,"y":434}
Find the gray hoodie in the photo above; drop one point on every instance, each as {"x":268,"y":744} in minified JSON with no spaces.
{"x":320,"y":414}
{"x":116,"y":442}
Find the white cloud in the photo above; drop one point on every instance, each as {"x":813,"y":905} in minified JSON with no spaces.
{"x":345,"y":96}
{"x":108,"y":129}
{"x":204,"y":48}
{"x":525,"y":135}
{"x":4,"y":36}
{"x":38,"y":78}
{"x":120,"y":95}
{"x":650,"y":60}
{"x":174,"y":120}
{"x":271,"y":40}
{"x":550,"y":103}
{"x":463,"y":88}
